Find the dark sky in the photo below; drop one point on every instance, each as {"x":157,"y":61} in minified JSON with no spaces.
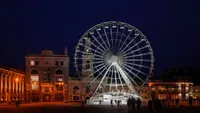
{"x":173,"y":28}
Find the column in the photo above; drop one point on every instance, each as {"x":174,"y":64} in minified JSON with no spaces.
{"x":1,"y":87}
{"x":6,"y":87}
{"x":17,"y":90}
{"x":22,"y":88}
{"x":13,"y":87}
{"x":9,"y":86}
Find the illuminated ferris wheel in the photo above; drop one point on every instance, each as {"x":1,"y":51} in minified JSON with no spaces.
{"x":117,"y":56}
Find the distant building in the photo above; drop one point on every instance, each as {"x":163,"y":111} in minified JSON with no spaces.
{"x":11,"y":85}
{"x":178,"y":87}
{"x":46,"y":76}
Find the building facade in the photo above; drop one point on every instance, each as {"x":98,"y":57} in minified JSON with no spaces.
{"x":170,"y":90}
{"x":11,"y":85}
{"x":47,"y":76}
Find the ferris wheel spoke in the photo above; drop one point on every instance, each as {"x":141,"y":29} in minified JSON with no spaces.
{"x":125,"y":41}
{"x":140,"y":60}
{"x":148,"y":67}
{"x":132,"y":47}
{"x":115,"y":46}
{"x":111,"y":79}
{"x":115,"y":78}
{"x":129,"y":43}
{"x":131,"y":78}
{"x":111,"y":37}
{"x":104,"y":66}
{"x":92,"y":68}
{"x":106,"y":37}
{"x":102,"y":79}
{"x":103,"y":40}
{"x":89,"y":48}
{"x":127,"y":66}
{"x":99,"y":43}
{"x":101,"y":73}
{"x":138,"y":55}
{"x":126,"y":69}
{"x":83,"y":64}
{"x":79,"y":58}
{"x":118,"y":46}
{"x":123,"y":54}
{"x":120,"y":79}
{"x":106,"y":81}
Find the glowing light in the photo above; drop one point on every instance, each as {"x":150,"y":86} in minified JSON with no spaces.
{"x":16,"y":79}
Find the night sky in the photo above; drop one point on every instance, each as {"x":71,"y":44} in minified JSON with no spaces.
{"x":173,"y":28}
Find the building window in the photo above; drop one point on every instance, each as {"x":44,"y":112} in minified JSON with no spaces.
{"x":59,"y":79}
{"x":61,"y":63}
{"x":87,"y":65}
{"x":59,"y":87}
{"x":58,"y":72}
{"x":32,"y":63}
{"x":36,"y":63}
{"x":57,"y":63}
{"x":76,"y":90}
{"x":34,"y":71}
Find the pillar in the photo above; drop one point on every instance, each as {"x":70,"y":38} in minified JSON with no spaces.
{"x":6,"y":87}
{"x":19,"y":92}
{"x":1,"y":94}
{"x":22,"y":88}
{"x":16,"y":86}
{"x":9,"y":86}
{"x":13,"y":87}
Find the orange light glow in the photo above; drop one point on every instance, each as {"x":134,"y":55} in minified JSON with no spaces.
{"x":16,"y":79}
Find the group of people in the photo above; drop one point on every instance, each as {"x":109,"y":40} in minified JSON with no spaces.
{"x":155,"y":106}
{"x":134,"y":105}
{"x":17,"y":103}
{"x":116,"y":101}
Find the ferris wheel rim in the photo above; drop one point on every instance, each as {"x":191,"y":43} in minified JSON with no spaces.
{"x":110,"y":22}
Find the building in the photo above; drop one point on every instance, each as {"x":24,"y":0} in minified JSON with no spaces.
{"x":174,"y":88}
{"x":46,"y":76}
{"x":11,"y":84}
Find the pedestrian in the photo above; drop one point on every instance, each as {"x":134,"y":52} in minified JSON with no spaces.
{"x":150,"y":106}
{"x":111,"y":102}
{"x":118,"y":102}
{"x":139,"y":102}
{"x":129,"y":105}
{"x":190,"y":101}
{"x":18,"y":103}
{"x":99,"y":102}
{"x":133,"y":105}
{"x":158,"y":106}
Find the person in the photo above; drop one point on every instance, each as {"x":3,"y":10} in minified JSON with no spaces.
{"x":133,"y":105}
{"x":111,"y":102}
{"x":190,"y":101}
{"x":150,"y":106}
{"x":82,"y":103}
{"x":199,"y":101}
{"x":118,"y":102}
{"x":99,"y":102}
{"x":18,"y":103}
{"x":139,"y":102}
{"x":158,"y":106}
{"x":129,"y":105}
{"x":177,"y":101}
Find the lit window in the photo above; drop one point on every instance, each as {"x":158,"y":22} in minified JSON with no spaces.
{"x":32,"y":63}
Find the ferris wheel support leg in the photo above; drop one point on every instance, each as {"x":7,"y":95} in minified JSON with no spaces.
{"x":101,"y":81}
{"x":126,"y":79}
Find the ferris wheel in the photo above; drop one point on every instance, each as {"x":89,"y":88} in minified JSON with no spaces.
{"x":116,"y":55}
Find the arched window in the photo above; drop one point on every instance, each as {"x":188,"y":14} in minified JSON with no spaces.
{"x":87,"y":65}
{"x":75,"y":90}
{"x":59,"y":71}
{"x":34,"y":71}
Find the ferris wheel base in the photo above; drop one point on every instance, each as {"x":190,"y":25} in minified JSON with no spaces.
{"x":106,"y":98}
